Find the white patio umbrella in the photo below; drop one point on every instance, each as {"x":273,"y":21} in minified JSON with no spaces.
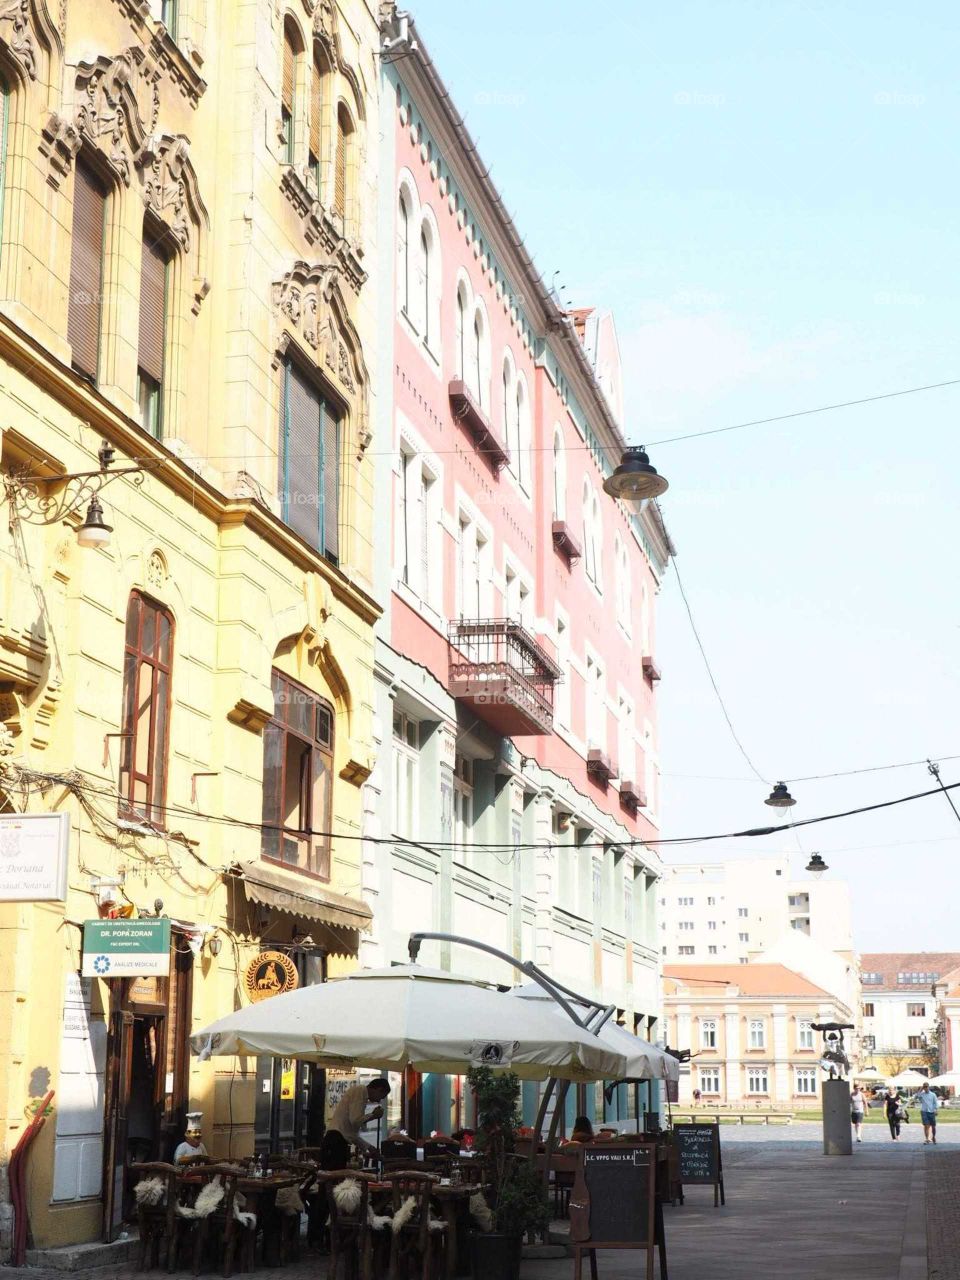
{"x":908,"y":1078}
{"x":868,"y":1073}
{"x":949,"y":1080}
{"x":409,"y":1016}
{"x":644,"y":1061}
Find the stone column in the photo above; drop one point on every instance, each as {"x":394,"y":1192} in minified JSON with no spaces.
{"x":837,"y":1129}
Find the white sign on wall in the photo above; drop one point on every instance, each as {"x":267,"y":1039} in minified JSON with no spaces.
{"x":33,"y":857}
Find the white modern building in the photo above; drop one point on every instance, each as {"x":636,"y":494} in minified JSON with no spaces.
{"x":727,"y":912}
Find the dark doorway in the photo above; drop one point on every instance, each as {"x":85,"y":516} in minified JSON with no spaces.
{"x":290,"y":1094}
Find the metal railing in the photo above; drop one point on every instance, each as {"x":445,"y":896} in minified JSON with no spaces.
{"x":498,"y":658}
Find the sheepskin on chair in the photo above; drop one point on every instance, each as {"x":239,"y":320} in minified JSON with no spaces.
{"x":480,"y":1211}
{"x":150,"y":1191}
{"x":348,"y":1195}
{"x":207,"y":1200}
{"x":406,"y":1212}
{"x":289,"y":1201}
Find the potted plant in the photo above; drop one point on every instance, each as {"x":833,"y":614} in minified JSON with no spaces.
{"x":516,"y":1196}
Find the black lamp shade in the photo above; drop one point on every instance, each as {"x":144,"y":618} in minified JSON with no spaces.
{"x":635,"y":479}
{"x":780,"y":797}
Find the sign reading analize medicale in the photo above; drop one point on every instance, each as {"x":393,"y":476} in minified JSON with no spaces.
{"x":119,"y":948}
{"x":33,"y":857}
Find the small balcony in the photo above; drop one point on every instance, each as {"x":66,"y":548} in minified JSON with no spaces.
{"x":632,"y":796}
{"x":472,"y":418}
{"x":565,"y":542}
{"x":599,"y":766}
{"x":500,"y":672}
{"x":650,"y":669}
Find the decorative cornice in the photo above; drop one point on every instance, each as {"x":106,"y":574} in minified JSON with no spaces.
{"x":322,"y":228}
{"x":18,"y":35}
{"x":165,"y":52}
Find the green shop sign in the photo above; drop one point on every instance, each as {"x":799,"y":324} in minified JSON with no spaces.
{"x":122,"y":948}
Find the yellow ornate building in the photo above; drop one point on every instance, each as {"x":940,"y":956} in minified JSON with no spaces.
{"x":188,"y":216}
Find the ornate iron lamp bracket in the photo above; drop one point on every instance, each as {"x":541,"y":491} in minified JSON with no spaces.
{"x":41,"y":499}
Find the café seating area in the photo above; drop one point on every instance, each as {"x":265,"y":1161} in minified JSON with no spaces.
{"x":407,"y":1216}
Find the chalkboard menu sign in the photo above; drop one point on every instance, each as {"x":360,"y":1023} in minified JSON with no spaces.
{"x":698,"y":1156}
{"x":614,"y":1202}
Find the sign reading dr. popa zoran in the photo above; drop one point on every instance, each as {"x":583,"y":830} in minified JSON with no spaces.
{"x":122,"y":948}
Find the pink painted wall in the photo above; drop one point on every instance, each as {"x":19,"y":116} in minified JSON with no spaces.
{"x":520,"y":525}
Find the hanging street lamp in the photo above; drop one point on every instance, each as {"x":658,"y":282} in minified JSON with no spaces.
{"x":635,"y":479}
{"x":780,"y":797}
{"x":816,"y":866}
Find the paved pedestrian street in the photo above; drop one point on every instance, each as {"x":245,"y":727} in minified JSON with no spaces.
{"x":790,"y":1212}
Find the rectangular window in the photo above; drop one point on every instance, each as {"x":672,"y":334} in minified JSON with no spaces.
{"x":298,"y":779}
{"x":86,"y":269}
{"x":310,"y":464}
{"x":709,"y":1078}
{"x":404,"y":538}
{"x":806,"y":1081}
{"x":708,"y":1033}
{"x":561,"y":693}
{"x":288,"y":97}
{"x":316,"y":126}
{"x":804,"y":1035}
{"x":148,"y":654}
{"x":712,"y":926}
{"x":914,"y":1042}
{"x":757,"y":1081}
{"x":872,"y":979}
{"x":168,"y":16}
{"x":758,"y":1039}
{"x":744,"y":937}
{"x":869,"y":1043}
{"x":150,"y":351}
{"x":406,"y":771}
{"x":711,"y":951}
{"x":868,"y":1010}
{"x":462,"y":805}
{"x":685,"y":926}
{"x":684,"y":902}
{"x":685,"y":951}
{"x":742,"y":912}
{"x":916,"y":1010}
{"x":711,"y":902}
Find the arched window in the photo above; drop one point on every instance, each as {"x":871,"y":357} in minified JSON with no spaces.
{"x":151,"y":349}
{"x":559,"y":476}
{"x":597,"y":524}
{"x":425,"y":282}
{"x":510,"y":410}
{"x":479,"y":380}
{"x":145,"y":716}
{"x":644,"y":620}
{"x":588,"y":545}
{"x":461,"y":354}
{"x":622,"y":584}
{"x":476,"y":361}
{"x":292,"y":51}
{"x":522,"y":466}
{"x":403,"y":254}
{"x":342,"y":178}
{"x":319,"y":104}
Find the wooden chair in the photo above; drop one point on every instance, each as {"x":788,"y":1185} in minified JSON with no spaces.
{"x":289,"y":1218}
{"x":414,"y":1242}
{"x":398,"y":1153}
{"x":467,"y":1170}
{"x":219,"y":1233}
{"x":351,"y":1235}
{"x":156,"y":1221}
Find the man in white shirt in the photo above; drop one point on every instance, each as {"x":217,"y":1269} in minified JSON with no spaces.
{"x":349,"y":1117}
{"x":929,"y":1105}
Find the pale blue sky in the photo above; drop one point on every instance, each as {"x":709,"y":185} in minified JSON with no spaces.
{"x":765,"y":194}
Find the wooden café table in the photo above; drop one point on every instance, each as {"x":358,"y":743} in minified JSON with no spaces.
{"x":453,"y":1202}
{"x":260,"y":1197}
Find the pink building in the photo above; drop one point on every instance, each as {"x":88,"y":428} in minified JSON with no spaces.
{"x":517,"y":664}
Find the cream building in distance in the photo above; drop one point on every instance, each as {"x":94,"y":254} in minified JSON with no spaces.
{"x":749,"y":1031}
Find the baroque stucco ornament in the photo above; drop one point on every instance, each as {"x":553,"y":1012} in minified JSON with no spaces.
{"x":19,"y":35}
{"x":165,"y":163}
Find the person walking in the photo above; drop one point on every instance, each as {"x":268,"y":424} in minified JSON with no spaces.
{"x":858,"y":1106}
{"x":929,"y":1105}
{"x":894,"y":1109}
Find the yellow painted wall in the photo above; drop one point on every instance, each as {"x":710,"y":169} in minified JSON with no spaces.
{"x":263,"y":268}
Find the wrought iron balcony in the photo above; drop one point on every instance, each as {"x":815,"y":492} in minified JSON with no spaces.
{"x":469,"y":413}
{"x":499,"y":671}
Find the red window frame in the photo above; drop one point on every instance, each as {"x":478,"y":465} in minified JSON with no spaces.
{"x":147,"y":674}
{"x":312,"y":852}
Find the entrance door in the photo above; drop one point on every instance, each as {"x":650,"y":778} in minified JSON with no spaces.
{"x":290,"y":1094}
{"x":117,"y":1091}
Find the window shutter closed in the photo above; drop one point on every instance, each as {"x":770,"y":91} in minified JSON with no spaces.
{"x":330,"y":435}
{"x":300,"y":474}
{"x":153,"y":275}
{"x":340,"y":189}
{"x":86,"y":269}
{"x":316,"y":109}
{"x":289,"y":60}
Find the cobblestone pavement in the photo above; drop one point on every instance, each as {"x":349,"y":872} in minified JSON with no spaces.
{"x":812,"y":1131}
{"x":943,"y":1214}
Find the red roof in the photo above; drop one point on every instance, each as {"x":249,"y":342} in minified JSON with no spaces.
{"x":891,"y":964}
{"x":751,"y":979}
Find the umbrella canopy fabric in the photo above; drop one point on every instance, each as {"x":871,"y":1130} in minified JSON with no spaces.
{"x":408,"y":1016}
{"x":644,"y":1061}
{"x":949,"y":1080}
{"x":909,"y":1077}
{"x":868,"y":1073}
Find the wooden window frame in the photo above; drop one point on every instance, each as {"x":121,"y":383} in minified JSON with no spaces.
{"x":155,"y":777}
{"x":87,"y":165}
{"x":151,"y":393}
{"x":319,"y":847}
{"x":338,"y":414}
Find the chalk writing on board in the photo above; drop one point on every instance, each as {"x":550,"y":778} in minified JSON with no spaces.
{"x":699,"y":1151}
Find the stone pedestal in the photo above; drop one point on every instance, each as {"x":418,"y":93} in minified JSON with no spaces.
{"x":837,"y":1129}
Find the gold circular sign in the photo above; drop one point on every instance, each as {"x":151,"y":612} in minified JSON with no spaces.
{"x":271,"y":973}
